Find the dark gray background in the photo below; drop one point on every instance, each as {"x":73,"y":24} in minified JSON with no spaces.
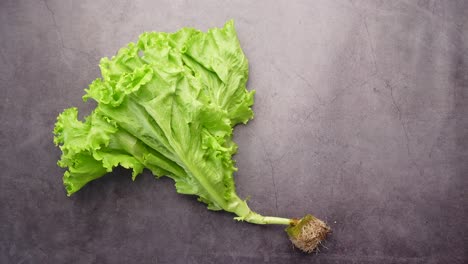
{"x":361,"y":119}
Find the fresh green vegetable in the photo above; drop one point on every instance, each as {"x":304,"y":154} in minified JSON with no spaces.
{"x":169,"y":103}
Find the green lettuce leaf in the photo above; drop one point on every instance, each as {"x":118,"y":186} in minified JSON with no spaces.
{"x":167,"y":103}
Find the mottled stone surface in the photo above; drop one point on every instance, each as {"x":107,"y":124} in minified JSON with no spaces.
{"x":361,"y":119}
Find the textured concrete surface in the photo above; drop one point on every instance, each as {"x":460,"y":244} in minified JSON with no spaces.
{"x":361,"y":119}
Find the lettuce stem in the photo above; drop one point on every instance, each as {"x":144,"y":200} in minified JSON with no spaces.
{"x":244,"y":213}
{"x":268,"y":220}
